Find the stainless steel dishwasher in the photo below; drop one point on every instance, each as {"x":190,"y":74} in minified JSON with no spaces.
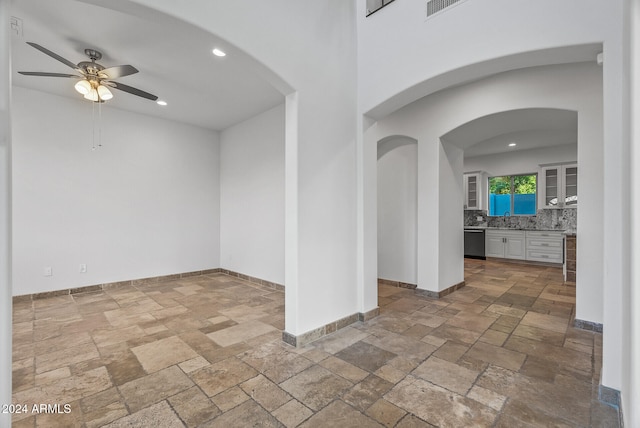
{"x":474,"y":244}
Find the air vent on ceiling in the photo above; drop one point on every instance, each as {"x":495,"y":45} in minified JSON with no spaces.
{"x":435,"y":6}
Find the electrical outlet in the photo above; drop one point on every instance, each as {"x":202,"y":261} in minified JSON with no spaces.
{"x":83,"y":268}
{"x":48,"y":271}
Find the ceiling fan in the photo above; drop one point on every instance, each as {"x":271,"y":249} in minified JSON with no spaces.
{"x":95,"y":80}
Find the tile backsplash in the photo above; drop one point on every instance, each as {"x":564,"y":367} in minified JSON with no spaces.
{"x":549,"y":219}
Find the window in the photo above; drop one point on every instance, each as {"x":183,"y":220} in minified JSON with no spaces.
{"x":375,"y":5}
{"x":512,"y":195}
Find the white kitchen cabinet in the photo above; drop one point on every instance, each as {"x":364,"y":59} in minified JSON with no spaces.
{"x":474,"y":190}
{"x":509,"y":244}
{"x":545,"y":246}
{"x":558,"y":186}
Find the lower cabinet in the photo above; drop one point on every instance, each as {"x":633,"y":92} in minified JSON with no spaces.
{"x":534,"y":245}
{"x":543,"y":246}
{"x":508,"y":244}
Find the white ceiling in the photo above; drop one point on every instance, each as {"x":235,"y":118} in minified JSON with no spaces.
{"x":528,"y":128}
{"x":175,"y":62}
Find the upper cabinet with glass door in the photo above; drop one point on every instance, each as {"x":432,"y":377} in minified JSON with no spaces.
{"x":559,"y":186}
{"x":473,"y":191}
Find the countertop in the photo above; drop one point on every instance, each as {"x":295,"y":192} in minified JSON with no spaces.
{"x":572,"y":231}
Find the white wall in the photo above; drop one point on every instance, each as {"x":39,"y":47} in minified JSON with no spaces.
{"x":397,"y":214}
{"x":521,"y":161}
{"x":5,"y":210}
{"x":428,"y":63}
{"x":489,"y":37}
{"x":450,"y":215}
{"x":252,"y":196}
{"x":144,"y":204}
{"x":312,"y":47}
{"x":574,"y":87}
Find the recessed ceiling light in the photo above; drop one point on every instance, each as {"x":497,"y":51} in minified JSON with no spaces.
{"x":218,"y":52}
{"x":161,"y":103}
{"x":512,"y":144}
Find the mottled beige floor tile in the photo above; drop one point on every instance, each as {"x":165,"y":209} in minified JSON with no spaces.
{"x":108,"y":337}
{"x":222,"y":375}
{"x":365,"y":393}
{"x":385,"y":413}
{"x":443,"y":340}
{"x":456,"y":334}
{"x":344,"y":369}
{"x":102,"y":408}
{"x":264,"y":392}
{"x":248,"y":414}
{"x":65,"y":357}
{"x":493,"y":337}
{"x":439,"y":406}
{"x":412,"y":421}
{"x":339,"y":340}
{"x":451,"y":351}
{"x":193,"y":364}
{"x":239,"y":333}
{"x":327,"y":386}
{"x":59,"y":416}
{"x":276,"y":360}
{"x":67,"y":389}
{"x":163,"y":353}
{"x":487,"y":397}
{"x":230,"y":398}
{"x":292,"y":413}
{"x":472,"y":322}
{"x":517,"y":414}
{"x":52,"y":376}
{"x":158,"y":416}
{"x":547,"y":322}
{"x":496,"y":355}
{"x":366,"y":356}
{"x":446,"y":374}
{"x":193,"y":407}
{"x":155,"y":387}
{"x":124,"y":367}
{"x":339,"y":414}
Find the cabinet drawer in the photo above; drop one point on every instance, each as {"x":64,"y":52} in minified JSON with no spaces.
{"x":506,"y":233}
{"x":544,"y":234}
{"x":542,"y":256}
{"x":535,"y":243}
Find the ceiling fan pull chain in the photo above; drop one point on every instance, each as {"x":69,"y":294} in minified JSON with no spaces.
{"x":99,"y":124}
{"x":93,"y":125}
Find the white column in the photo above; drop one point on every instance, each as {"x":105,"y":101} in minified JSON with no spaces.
{"x":5,"y":210}
{"x":630,"y":403}
{"x":291,"y":292}
{"x":367,"y":273}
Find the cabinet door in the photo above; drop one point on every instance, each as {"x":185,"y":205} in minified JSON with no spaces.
{"x":472,"y":188}
{"x":514,"y":248}
{"x":570,"y":180}
{"x":552,"y":186}
{"x":494,"y":245}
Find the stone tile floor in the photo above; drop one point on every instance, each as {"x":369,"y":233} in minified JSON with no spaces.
{"x":206,"y":351}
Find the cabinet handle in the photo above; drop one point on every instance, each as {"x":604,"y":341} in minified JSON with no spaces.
{"x":544,"y":245}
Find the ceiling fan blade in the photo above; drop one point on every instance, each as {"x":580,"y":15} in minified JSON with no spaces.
{"x":118,"y":71}
{"x":132,"y":90}
{"x":54,"y":55}
{"x":39,"y":73}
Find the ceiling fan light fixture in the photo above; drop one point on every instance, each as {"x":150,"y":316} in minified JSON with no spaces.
{"x":161,"y":103}
{"x":104,"y":93}
{"x":92,"y":95}
{"x":83,"y":87}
